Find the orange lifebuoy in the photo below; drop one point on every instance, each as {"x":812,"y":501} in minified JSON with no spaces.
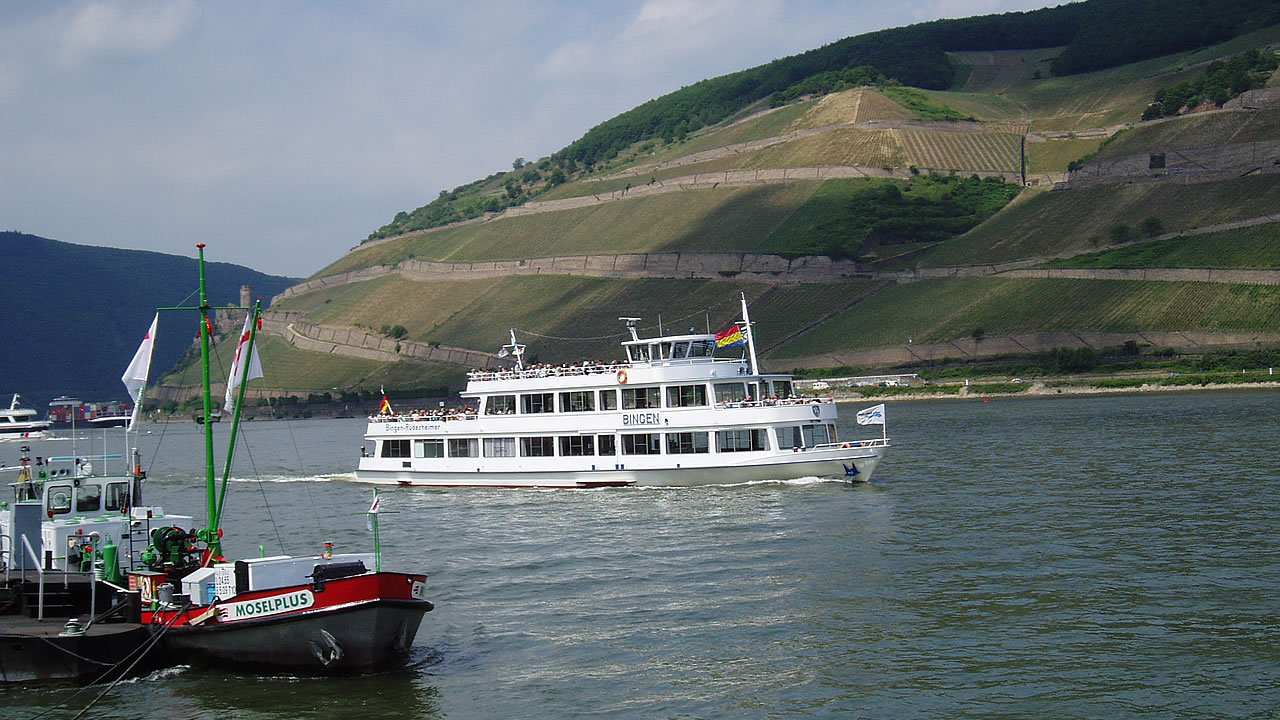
{"x":622,"y":377}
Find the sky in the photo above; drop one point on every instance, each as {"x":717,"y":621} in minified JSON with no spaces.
{"x":282,"y":133}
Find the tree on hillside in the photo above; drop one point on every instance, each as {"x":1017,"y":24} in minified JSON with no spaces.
{"x":1152,"y":227}
{"x":1221,"y":82}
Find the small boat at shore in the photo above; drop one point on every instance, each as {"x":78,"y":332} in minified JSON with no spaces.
{"x":109,"y":421}
{"x":673,"y":413}
{"x":19,"y":423}
{"x":140,"y":589}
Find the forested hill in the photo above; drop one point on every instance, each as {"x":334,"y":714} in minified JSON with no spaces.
{"x":74,"y":315}
{"x":1096,"y":34}
{"x":1092,"y":35}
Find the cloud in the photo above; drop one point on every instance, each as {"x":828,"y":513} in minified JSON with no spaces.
{"x":99,"y":29}
{"x":663,"y":36}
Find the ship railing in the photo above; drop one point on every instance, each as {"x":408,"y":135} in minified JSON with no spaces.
{"x":41,"y":572}
{"x":421,"y":417}
{"x":548,"y":371}
{"x":774,"y":402}
{"x":846,"y":444}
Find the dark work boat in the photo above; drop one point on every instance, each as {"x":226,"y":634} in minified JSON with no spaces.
{"x":167,"y":594}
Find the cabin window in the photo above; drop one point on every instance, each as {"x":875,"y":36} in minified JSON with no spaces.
{"x":571,"y":445}
{"x":538,"y":403}
{"x":685,"y":443}
{"x":782,"y":388}
{"x":500,"y":405}
{"x":577,"y":401}
{"x":538,"y":446}
{"x":702,"y":348}
{"x":740,"y":440}
{"x":641,"y":444}
{"x":89,"y":498}
{"x":686,"y":395}
{"x":500,"y":447}
{"x":788,"y":437}
{"x":606,"y":445}
{"x":814,"y":435}
{"x":59,"y":499}
{"x":802,"y":436}
{"x":426,"y":449}
{"x":608,"y":399}
{"x":395,"y":448}
{"x":641,"y":398}
{"x":680,"y":351}
{"x":117,"y":496}
{"x":732,"y":392}
{"x":464,"y":447}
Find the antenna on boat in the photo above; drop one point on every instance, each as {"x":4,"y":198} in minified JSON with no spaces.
{"x":631,"y":325}
{"x":751,"y":340}
{"x":514,"y":348}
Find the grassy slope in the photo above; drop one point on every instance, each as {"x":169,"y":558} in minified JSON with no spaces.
{"x":580,"y":315}
{"x":572,"y":308}
{"x":1047,"y":223}
{"x":1119,"y":95}
{"x":286,"y":368}
{"x":712,"y":220}
{"x":981,"y":106}
{"x":942,"y":310}
{"x":393,"y":300}
{"x":1057,"y":155}
{"x":1251,"y":248}
{"x":1217,"y":128}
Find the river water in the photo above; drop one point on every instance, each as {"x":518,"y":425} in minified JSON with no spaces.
{"x":1078,"y":557}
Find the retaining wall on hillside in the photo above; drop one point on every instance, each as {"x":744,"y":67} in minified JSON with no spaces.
{"x":1184,"y":165}
{"x":969,"y":348}
{"x":767,"y":268}
{"x":354,"y":342}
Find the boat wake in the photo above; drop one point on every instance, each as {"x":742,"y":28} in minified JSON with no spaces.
{"x":282,"y":479}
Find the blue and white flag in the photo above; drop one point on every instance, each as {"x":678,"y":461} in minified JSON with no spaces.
{"x":872,"y":415}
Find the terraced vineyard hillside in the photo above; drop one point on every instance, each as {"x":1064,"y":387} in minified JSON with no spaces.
{"x":673,"y":230}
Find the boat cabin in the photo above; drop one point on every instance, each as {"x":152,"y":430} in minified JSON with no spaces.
{"x":75,"y":492}
{"x":673,"y":349}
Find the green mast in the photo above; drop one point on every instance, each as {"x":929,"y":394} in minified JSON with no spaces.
{"x":211,"y":499}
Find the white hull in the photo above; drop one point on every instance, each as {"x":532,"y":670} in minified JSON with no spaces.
{"x":21,"y":424}
{"x":832,"y":463}
{"x":24,"y":435}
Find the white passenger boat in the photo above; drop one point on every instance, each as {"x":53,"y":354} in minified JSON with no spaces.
{"x":672,"y":414}
{"x":18,"y":423}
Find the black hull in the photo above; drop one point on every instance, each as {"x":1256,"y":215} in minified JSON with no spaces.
{"x":369,"y":638}
{"x":35,"y":653}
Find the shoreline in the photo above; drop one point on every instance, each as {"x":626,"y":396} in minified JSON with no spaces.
{"x":1041,"y":390}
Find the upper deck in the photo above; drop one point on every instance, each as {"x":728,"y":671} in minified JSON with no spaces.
{"x":670,"y":358}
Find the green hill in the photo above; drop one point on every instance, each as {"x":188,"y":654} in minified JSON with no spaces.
{"x":1013,"y":201}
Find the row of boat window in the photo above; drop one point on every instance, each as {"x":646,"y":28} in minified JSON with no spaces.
{"x":87,"y":498}
{"x":635,"y":398}
{"x":676,"y":443}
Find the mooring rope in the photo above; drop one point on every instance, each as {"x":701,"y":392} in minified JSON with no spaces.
{"x":141,"y":651}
